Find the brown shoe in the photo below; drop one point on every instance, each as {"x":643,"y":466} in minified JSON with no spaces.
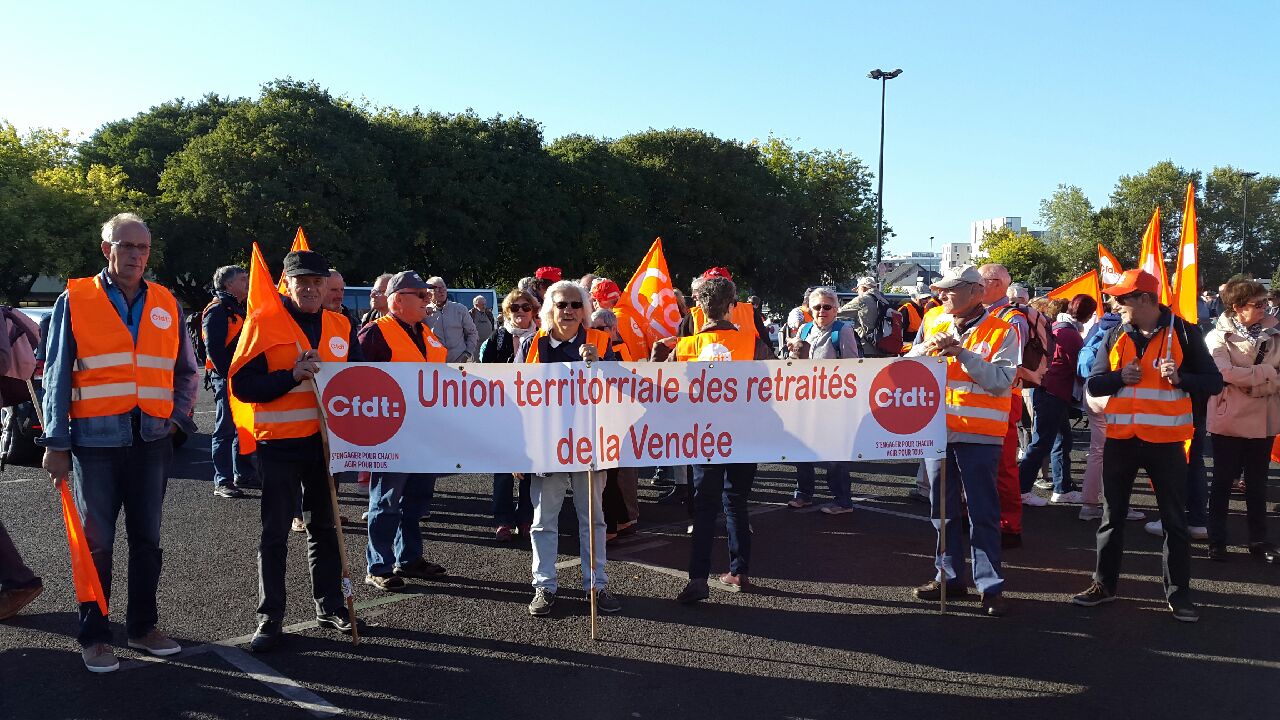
{"x":735,"y":583}
{"x":932,"y":591}
{"x":156,"y":643}
{"x":994,"y":605}
{"x":12,"y":601}
{"x":421,"y":569}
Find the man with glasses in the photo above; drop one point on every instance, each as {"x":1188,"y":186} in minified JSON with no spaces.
{"x":398,"y":500}
{"x":1148,"y":367}
{"x":120,"y":378}
{"x":452,"y":323}
{"x":565,"y":337}
{"x":377,"y":300}
{"x":983,"y":354}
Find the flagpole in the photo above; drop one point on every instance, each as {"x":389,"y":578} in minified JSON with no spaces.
{"x":942,"y":532}
{"x":591,"y":531}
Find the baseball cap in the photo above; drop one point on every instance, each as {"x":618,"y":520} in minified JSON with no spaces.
{"x":605,"y":290}
{"x":717,"y":272}
{"x":867,"y":281}
{"x":958,"y":276}
{"x":305,"y":262}
{"x":547,"y":272}
{"x":1132,"y":281}
{"x":406,"y":280}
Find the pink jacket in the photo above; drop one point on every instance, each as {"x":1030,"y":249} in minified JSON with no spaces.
{"x":1249,"y":404}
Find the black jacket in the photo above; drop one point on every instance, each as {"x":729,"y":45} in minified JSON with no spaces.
{"x":254,"y":383}
{"x":1198,"y":374}
{"x":214,"y":322}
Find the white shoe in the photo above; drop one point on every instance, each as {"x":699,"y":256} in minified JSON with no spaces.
{"x":1069,"y":498}
{"x":1090,"y":512}
{"x":1155,"y":528}
{"x":1034,"y":500}
{"x":1198,"y":532}
{"x":1135,"y":515}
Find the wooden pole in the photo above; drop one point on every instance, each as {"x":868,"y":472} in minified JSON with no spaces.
{"x":348,"y":592}
{"x":942,"y":532}
{"x":591,"y":543}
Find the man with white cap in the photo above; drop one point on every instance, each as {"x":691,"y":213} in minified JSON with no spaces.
{"x":869,"y":308}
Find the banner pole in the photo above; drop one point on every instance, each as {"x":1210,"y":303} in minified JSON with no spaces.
{"x":942,"y":532}
{"x":591,"y":543}
{"x":348,"y":593}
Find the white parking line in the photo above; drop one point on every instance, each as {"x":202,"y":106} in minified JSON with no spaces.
{"x":284,"y":687}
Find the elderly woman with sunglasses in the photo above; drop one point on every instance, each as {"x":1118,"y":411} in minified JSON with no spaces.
{"x":1245,"y":417}
{"x":519,"y":322}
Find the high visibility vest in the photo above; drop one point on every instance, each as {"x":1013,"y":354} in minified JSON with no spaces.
{"x":296,"y":414}
{"x":970,"y":408}
{"x":600,"y":339}
{"x":631,"y":330}
{"x":912,"y":315}
{"x":235,"y":322}
{"x":743,"y":315}
{"x":1153,"y":409}
{"x":112,"y":374}
{"x":623,"y":352}
{"x":402,"y":346}
{"x":716,"y":345}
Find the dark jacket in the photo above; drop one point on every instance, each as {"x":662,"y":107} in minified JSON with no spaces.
{"x":564,"y":352}
{"x":1198,"y":374}
{"x":374,"y":347}
{"x":499,"y":348}
{"x":253,"y":383}
{"x":214,"y":321}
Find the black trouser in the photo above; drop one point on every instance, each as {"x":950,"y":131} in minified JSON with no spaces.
{"x":1233,"y":456}
{"x":289,"y":468}
{"x":614,"y":504}
{"x":1166,"y":465}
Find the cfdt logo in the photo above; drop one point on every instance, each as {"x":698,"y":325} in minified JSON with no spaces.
{"x":904,"y":397}
{"x":364,"y":405}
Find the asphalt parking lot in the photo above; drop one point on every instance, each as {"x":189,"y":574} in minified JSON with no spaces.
{"x":830,"y":631}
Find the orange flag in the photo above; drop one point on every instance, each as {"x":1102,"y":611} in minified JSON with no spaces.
{"x":651,"y":297}
{"x":1109,"y":267}
{"x":299,"y":243}
{"x":84,"y":575}
{"x":1186,"y":280}
{"x":1086,"y":284}
{"x":1151,"y":258}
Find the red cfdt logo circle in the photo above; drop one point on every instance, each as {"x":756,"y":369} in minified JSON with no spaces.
{"x":904,"y":397}
{"x":364,"y":405}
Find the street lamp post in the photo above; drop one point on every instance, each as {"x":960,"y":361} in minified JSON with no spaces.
{"x":884,"y":78}
{"x":1244,"y":213}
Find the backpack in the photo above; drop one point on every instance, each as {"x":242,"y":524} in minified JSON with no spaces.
{"x":887,"y":337}
{"x":1039,"y":346}
{"x":836,"y":327}
{"x":195,"y":330}
{"x":19,"y":338}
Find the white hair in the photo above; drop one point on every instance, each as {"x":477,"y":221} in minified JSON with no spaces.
{"x":828,"y":292}
{"x":564,"y":287}
{"x":118,"y":221}
{"x":437,"y":281}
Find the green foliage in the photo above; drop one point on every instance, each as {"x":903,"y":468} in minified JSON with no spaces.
{"x":1221,"y":222}
{"x":1027,"y":258}
{"x":1070,"y":229}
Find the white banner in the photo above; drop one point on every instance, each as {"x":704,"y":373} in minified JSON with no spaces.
{"x":556,"y":417}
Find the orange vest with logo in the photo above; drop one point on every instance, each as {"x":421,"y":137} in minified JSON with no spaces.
{"x":599,"y":338}
{"x":970,"y":408}
{"x":743,"y":315}
{"x":112,"y":374}
{"x":1153,"y":409}
{"x":716,"y":345}
{"x":296,"y":414}
{"x":631,"y":330}
{"x":234,"y":324}
{"x":402,"y":346}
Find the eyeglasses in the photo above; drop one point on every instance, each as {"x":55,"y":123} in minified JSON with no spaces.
{"x":133,"y":247}
{"x":431,"y":287}
{"x":377,"y":293}
{"x":1130,"y":298}
{"x":567,"y":304}
{"x":1258,"y":304}
{"x":520,"y":307}
{"x":420,"y":294}
{"x":956,"y":289}
{"x":822,"y":308}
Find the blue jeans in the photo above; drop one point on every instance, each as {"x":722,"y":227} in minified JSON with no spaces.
{"x":228,"y":464}
{"x":547,"y":493}
{"x":838,"y":481}
{"x":1051,"y":432}
{"x":104,"y":480}
{"x":505,"y":511}
{"x":396,"y":502}
{"x":715,"y":486}
{"x":972,"y":466}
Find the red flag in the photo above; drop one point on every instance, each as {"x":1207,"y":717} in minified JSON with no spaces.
{"x":650,"y":296}
{"x":1086,"y":284}
{"x":1186,"y":279}
{"x":1109,"y":267}
{"x":1151,"y":258}
{"x":83,"y":572}
{"x":299,"y":243}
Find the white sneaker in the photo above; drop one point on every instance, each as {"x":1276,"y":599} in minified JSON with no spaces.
{"x":1090,"y":512}
{"x":1069,"y":498}
{"x":1155,"y":528}
{"x":1034,"y":500}
{"x":1135,"y":515}
{"x":1198,"y":532}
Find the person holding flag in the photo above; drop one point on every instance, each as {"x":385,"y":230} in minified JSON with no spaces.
{"x":120,"y":378}
{"x":1148,"y":367}
{"x":273,"y":369}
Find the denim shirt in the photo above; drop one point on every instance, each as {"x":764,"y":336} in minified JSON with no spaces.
{"x":61,"y":431}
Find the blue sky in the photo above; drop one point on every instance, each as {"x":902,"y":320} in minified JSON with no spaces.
{"x":997,"y":103}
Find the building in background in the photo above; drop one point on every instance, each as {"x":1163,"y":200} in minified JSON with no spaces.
{"x":927,"y":260}
{"x":978,"y":229}
{"x":955,"y":254}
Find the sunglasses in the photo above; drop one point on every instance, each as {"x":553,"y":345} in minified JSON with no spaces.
{"x":520,"y":307}
{"x":822,"y":308}
{"x":420,"y":294}
{"x":567,"y":304}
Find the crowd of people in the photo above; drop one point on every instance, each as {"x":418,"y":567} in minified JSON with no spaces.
{"x":121,"y":376}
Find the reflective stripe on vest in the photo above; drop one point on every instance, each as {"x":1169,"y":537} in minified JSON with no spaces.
{"x":1151,"y":409}
{"x":113,"y":374}
{"x":402,"y":346}
{"x":600,"y":339}
{"x":716,"y":346}
{"x":970,"y":408}
{"x":295,"y":414}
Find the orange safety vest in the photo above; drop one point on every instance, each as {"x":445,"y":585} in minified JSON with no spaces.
{"x":112,"y":374}
{"x":599,"y":338}
{"x":1153,"y":409}
{"x":234,"y":323}
{"x":631,"y":330}
{"x":402,"y":346}
{"x":716,"y":345}
{"x":623,"y":352}
{"x":296,"y":414}
{"x":913,"y":317}
{"x":970,"y":408}
{"x":743,"y":315}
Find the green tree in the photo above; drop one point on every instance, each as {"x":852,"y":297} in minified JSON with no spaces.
{"x":1070,"y":229}
{"x":1027,"y":258}
{"x":1133,"y":200}
{"x":1221,"y":225}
